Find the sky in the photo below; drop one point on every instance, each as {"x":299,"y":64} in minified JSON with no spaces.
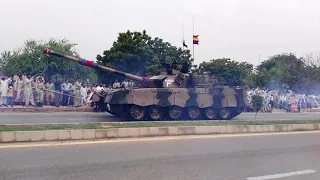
{"x":241,"y":30}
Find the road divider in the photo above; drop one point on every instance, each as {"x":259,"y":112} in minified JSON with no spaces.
{"x":134,"y":132}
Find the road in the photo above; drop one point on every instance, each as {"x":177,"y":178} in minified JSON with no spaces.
{"x":219,"y":157}
{"x":79,"y":117}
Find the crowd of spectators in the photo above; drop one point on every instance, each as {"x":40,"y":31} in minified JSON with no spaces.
{"x":26,"y":90}
{"x":286,"y":99}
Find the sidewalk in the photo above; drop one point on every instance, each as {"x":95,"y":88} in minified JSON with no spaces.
{"x":46,"y":109}
{"x":311,"y":110}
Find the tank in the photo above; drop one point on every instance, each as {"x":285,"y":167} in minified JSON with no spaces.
{"x":172,"y":95}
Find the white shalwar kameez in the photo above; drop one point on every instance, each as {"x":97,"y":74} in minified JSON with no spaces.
{"x":3,"y":91}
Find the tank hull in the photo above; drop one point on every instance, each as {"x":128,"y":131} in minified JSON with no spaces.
{"x":223,"y":102}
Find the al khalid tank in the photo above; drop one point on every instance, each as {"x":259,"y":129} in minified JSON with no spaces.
{"x":174,"y":94}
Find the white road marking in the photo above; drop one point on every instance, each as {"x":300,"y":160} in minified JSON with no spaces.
{"x":276,"y":176}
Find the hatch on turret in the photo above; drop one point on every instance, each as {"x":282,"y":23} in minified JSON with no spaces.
{"x":157,"y":81}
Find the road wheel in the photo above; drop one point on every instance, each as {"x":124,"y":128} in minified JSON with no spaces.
{"x":137,"y":112}
{"x":211,"y":113}
{"x":175,"y":112}
{"x":225,"y":113}
{"x":155,"y":113}
{"x":194,"y":113}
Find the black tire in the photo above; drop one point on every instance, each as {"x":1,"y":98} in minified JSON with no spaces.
{"x":210,"y":113}
{"x":155,"y":113}
{"x":137,"y":112}
{"x":225,"y":113}
{"x":194,"y":113}
{"x":175,"y":112}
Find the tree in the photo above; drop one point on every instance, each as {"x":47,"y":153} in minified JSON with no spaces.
{"x":286,"y":70}
{"x":31,"y":59}
{"x":257,"y":103}
{"x":227,"y":71}
{"x":140,"y":54}
{"x":311,"y":76}
{"x":283,"y":68}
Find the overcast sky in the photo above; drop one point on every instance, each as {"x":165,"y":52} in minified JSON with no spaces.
{"x":237,"y":29}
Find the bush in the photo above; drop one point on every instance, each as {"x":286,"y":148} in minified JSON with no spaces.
{"x":257,"y":102}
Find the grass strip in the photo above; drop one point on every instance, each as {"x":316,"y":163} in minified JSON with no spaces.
{"x":207,"y":123}
{"x":146,"y":124}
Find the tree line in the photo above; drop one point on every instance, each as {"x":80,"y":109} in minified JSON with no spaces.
{"x":30,"y":59}
{"x":139,"y":53}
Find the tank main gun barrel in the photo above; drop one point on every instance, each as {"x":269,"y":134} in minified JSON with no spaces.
{"x":95,"y":66}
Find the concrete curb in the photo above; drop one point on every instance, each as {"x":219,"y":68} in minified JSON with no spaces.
{"x":87,"y":134}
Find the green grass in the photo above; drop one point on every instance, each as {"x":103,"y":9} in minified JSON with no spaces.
{"x":207,"y":123}
{"x":146,"y":124}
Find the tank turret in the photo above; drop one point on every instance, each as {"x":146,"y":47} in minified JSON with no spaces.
{"x":169,"y":77}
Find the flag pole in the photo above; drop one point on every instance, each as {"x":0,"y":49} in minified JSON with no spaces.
{"x":192,"y":41}
{"x":182,"y":36}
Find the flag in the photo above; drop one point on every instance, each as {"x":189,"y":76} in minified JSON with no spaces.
{"x":195,"y":39}
{"x":184,"y":44}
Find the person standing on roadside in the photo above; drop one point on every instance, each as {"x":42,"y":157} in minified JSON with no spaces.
{"x":66,"y":87}
{"x":63,"y":91}
{"x":15,"y":80}
{"x":57,"y":88}
{"x":34,"y":89}
{"x":28,"y":95}
{"x":4,"y":84}
{"x":83,"y":92}
{"x":10,"y":96}
{"x":19,"y":88}
{"x":77,"y":92}
{"x":40,"y":87}
{"x":49,"y":92}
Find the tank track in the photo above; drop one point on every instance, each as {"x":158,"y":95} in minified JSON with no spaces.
{"x":157,"y":113}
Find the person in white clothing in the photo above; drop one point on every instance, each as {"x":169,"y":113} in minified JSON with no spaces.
{"x":66,"y":88}
{"x":28,"y":95}
{"x":271,"y":100}
{"x":131,"y":84}
{"x":83,"y":92}
{"x":4,"y":84}
{"x":125,"y":84}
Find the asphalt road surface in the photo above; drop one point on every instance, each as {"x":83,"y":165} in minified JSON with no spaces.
{"x":79,"y":117}
{"x":226,"y":157}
